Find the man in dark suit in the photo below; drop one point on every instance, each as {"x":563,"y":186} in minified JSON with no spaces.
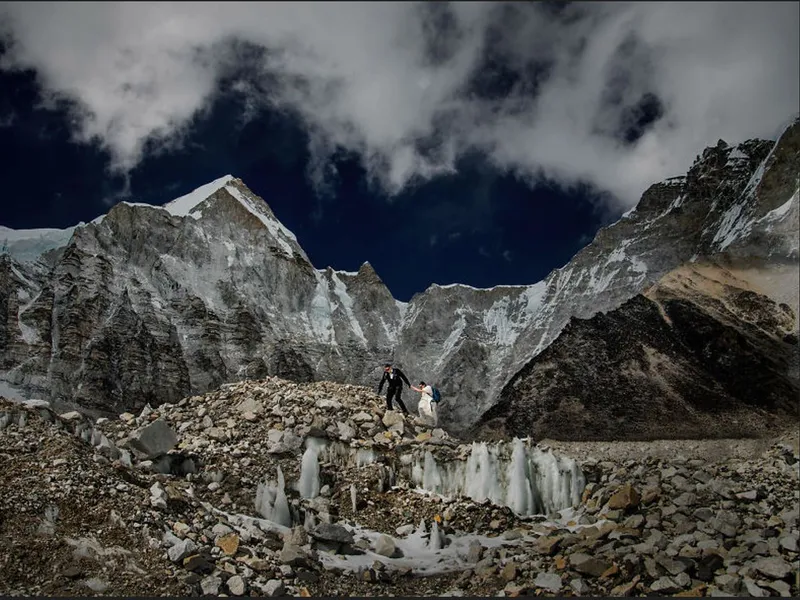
{"x":395,"y":378}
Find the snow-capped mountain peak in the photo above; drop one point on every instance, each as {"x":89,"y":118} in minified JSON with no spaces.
{"x":187,"y":205}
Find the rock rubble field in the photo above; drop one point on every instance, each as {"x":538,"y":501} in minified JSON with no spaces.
{"x":273,"y":488}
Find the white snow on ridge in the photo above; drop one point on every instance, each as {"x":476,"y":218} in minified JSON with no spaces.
{"x":780,"y":212}
{"x":731,"y":227}
{"x":448,"y":286}
{"x":185,"y":205}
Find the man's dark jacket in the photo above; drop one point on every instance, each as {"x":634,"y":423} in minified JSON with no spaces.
{"x":394,"y":379}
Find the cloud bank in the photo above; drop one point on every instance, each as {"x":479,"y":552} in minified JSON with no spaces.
{"x":615,"y":95}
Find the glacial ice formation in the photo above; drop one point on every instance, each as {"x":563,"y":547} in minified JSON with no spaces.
{"x":516,"y":474}
{"x":308,"y":485}
{"x":529,"y":481}
{"x":271,"y":501}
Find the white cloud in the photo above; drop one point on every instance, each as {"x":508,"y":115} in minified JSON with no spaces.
{"x":381,"y":78}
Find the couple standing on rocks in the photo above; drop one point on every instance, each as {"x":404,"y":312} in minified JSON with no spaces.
{"x":395,"y":378}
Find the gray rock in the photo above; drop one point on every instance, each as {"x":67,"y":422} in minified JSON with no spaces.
{"x":220,"y":529}
{"x":588,"y":565}
{"x":671,"y":566}
{"x":579,"y":586}
{"x":475,"y":552}
{"x":392,"y":418}
{"x":485,"y":567}
{"x":236,"y":585}
{"x":703,"y":514}
{"x":96,"y":585}
{"x":181,"y":550}
{"x":773,"y":567}
{"x":781,"y":587}
{"x":404,"y":530}
{"x":634,"y":521}
{"x":753,"y":589}
{"x":721,"y":488}
{"x":726,"y":522}
{"x":328,"y":532}
{"x":665,"y":585}
{"x":293,"y":555}
{"x":751,"y":495}
{"x":790,"y":517}
{"x":548,"y":581}
{"x":210,"y":585}
{"x":715,"y":592}
{"x":273,"y":588}
{"x":154,"y":440}
{"x":385,"y":546}
{"x":702,"y":476}
{"x":728,"y":582}
{"x":789,"y":542}
{"x":685,"y":499}
{"x":346,"y":432}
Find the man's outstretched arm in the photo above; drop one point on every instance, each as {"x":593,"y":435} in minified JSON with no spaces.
{"x":403,"y":377}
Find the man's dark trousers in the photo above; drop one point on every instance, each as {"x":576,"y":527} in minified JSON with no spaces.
{"x":395,"y":392}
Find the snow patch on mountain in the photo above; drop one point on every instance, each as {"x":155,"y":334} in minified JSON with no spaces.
{"x":508,"y":317}
{"x":780,"y":212}
{"x":452,"y":340}
{"x":346,"y":302}
{"x":318,"y":317}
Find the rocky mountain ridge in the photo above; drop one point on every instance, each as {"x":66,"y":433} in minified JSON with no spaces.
{"x":151,"y":304}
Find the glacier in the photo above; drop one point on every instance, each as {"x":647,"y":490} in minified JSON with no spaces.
{"x":27,"y":245}
{"x":524,"y":477}
{"x":271,"y":501}
{"x":527,"y":479}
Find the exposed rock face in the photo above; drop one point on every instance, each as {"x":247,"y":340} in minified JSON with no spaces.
{"x":700,"y":355}
{"x":147,"y":305}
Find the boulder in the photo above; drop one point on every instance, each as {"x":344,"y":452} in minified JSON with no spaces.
{"x":625,"y":498}
{"x":152,"y":441}
{"x":181,"y":550}
{"x":328,"y":532}
{"x":726,"y":522}
{"x":210,"y":585}
{"x":548,"y":581}
{"x":588,"y":565}
{"x":236,"y":585}
{"x":385,"y":546}
{"x":665,"y":586}
{"x":392,"y":418}
{"x":273,"y":588}
{"x":773,"y":567}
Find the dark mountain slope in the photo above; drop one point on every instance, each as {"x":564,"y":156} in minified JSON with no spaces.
{"x":701,"y":354}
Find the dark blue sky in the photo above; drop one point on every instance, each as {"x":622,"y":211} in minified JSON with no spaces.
{"x":479,"y":227}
